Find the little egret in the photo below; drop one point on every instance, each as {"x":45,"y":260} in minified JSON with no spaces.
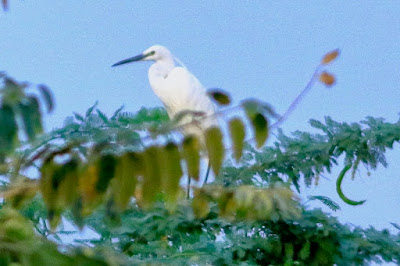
{"x":179,"y":90}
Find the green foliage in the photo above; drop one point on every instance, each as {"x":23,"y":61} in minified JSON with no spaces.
{"x":19,"y":245}
{"x":219,"y":96}
{"x":156,"y":236}
{"x":339,"y":188}
{"x":327,"y":201}
{"x":31,"y":117}
{"x":120,"y":175}
{"x":215,"y":147}
{"x":238,"y":134}
{"x":306,"y":155}
{"x":8,"y":132}
{"x":16,"y":105}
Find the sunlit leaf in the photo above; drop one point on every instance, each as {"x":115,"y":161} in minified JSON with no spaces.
{"x":191,"y":154}
{"x":200,"y":205}
{"x":21,"y":193}
{"x":47,"y":96}
{"x":31,"y":117}
{"x":219,"y":96}
{"x":329,"y":57}
{"x":263,"y":205}
{"x":225,"y":202}
{"x":215,"y":148}
{"x":172,"y":172}
{"x":87,"y":186}
{"x":50,"y":174}
{"x":124,"y":183}
{"x":327,"y":79}
{"x":238,"y":134}
{"x":46,"y":184}
{"x":68,"y":187}
{"x":153,"y":175}
{"x":244,"y":196}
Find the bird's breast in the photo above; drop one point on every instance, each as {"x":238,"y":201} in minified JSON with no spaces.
{"x":181,"y":91}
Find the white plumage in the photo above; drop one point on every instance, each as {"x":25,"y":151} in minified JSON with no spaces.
{"x":178,"y":89}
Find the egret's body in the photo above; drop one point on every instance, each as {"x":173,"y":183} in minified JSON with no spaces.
{"x":178,"y":89}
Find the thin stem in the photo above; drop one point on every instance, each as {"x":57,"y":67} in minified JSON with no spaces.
{"x":207,"y":173}
{"x":299,"y":97}
{"x":188,"y":187}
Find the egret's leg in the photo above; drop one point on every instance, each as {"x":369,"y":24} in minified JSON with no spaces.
{"x":188,"y":187}
{"x":207,"y":173}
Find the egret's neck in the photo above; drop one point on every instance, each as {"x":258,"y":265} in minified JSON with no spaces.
{"x":159,"y":71}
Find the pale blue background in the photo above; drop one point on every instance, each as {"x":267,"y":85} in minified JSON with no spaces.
{"x":261,"y":49}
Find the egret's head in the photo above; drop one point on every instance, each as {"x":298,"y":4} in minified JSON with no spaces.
{"x":154,"y":53}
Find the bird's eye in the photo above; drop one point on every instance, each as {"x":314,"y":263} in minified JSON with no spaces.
{"x":152,"y":53}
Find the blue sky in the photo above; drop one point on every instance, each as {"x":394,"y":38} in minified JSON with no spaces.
{"x":250,"y":48}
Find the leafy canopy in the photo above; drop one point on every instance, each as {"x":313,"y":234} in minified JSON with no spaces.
{"x":121,"y":176}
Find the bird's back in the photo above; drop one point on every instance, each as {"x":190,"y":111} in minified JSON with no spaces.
{"x":180,"y":90}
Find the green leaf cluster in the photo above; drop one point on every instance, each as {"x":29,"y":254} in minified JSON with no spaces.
{"x":308,"y":155}
{"x":19,"y":112}
{"x":120,"y":175}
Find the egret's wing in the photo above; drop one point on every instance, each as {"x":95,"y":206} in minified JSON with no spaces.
{"x":185,"y":92}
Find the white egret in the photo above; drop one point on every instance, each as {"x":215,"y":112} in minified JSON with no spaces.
{"x":178,"y":89}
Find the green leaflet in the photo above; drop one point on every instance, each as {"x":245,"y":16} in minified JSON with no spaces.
{"x":191,"y":154}
{"x":125,"y":180}
{"x":172,"y":172}
{"x":260,"y":127}
{"x":50,"y":174}
{"x":59,"y":187}
{"x":152,"y":176}
{"x":215,"y":148}
{"x":305,"y":251}
{"x":219,"y":96}
{"x":8,"y":130}
{"x":90,"y":110}
{"x":79,"y":117}
{"x":68,"y":186}
{"x":238,"y":134}
{"x":200,"y":205}
{"x":259,"y":122}
{"x":327,"y":201}
{"x":31,"y":117}
{"x":46,"y":185}
{"x":106,"y":165}
{"x":12,"y":92}
{"x":47,"y":96}
{"x":102,"y":115}
{"x":251,"y":107}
